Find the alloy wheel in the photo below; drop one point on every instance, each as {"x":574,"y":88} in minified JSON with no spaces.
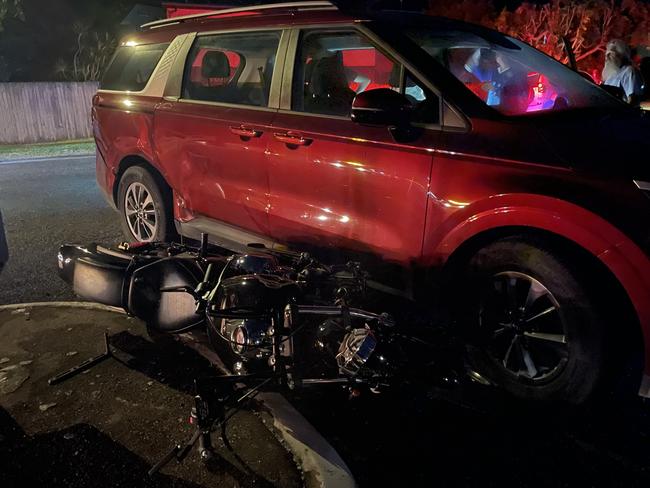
{"x":523,"y":329}
{"x":140,"y":212}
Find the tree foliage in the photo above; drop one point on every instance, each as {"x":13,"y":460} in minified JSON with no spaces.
{"x":10,"y":8}
{"x":587,"y":25}
{"x":59,"y":39}
{"x":92,"y":53}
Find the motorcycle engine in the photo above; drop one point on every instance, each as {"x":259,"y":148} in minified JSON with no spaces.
{"x":241,"y":307}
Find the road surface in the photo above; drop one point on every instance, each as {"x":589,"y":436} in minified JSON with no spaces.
{"x":45,"y":203}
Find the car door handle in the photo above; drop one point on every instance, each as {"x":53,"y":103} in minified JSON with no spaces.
{"x":242,"y":131}
{"x":292,"y":139}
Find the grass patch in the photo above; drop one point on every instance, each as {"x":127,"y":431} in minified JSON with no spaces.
{"x":47,"y":150}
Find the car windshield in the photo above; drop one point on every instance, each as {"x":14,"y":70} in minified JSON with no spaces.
{"x":508,"y":75}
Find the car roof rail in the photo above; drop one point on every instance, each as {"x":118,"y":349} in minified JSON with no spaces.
{"x":316,"y":5}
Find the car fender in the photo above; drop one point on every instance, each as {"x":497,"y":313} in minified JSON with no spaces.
{"x":624,"y":259}
{"x":127,"y":122}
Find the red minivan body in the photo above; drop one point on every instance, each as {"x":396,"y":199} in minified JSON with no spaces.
{"x":532,"y":213}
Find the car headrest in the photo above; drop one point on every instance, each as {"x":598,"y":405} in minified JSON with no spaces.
{"x":328,"y":75}
{"x":215,"y":65}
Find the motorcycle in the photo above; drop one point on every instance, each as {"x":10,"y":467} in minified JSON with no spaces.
{"x":278,"y":319}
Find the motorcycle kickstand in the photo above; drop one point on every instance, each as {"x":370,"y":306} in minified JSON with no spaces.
{"x":206,"y":422}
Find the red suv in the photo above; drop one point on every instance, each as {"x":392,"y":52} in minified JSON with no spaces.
{"x":462,"y":156}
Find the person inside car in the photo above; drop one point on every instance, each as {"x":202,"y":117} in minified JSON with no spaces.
{"x":495,"y":82}
{"x":618,"y":71}
{"x":483,"y":76}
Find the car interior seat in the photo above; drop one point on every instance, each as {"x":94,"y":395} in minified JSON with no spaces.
{"x":215,"y":68}
{"x":330,"y":91}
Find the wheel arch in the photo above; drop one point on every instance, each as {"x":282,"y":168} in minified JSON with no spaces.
{"x":620,"y":267}
{"x":138,"y":160}
{"x":576,"y":253}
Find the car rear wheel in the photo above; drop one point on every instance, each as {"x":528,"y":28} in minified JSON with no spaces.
{"x":532,"y":325}
{"x":144,"y":207}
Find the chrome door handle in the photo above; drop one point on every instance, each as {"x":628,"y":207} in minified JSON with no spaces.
{"x":292,"y":139}
{"x":242,"y":131}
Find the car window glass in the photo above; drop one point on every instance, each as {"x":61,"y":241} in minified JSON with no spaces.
{"x":333,"y":67}
{"x":508,"y":75}
{"x":132,"y":67}
{"x":231,"y":68}
{"x":426,"y":104}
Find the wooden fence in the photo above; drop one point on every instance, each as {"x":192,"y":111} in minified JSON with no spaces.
{"x":42,"y":112}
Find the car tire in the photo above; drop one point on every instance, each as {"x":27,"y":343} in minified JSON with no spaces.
{"x":531,"y":324}
{"x":145,"y":207}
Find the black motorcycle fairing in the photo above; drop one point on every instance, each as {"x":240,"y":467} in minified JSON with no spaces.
{"x":94,"y":275}
{"x":135,"y":280}
{"x":159,"y":294}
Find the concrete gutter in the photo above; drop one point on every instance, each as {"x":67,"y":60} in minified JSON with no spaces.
{"x":321,"y":464}
{"x":84,"y":305}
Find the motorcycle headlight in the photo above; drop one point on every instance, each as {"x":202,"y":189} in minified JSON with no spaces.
{"x":238,"y":339}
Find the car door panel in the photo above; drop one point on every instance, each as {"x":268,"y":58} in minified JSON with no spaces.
{"x":213,"y":136}
{"x":218,"y":170}
{"x":344,"y":186}
{"x":352,"y":188}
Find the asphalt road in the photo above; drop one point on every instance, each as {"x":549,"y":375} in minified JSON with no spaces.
{"x":45,"y":203}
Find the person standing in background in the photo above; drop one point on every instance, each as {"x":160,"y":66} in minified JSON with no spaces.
{"x":619,"y":71}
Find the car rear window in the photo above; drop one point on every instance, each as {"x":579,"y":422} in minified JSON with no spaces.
{"x":132,"y":66}
{"x":235,"y":68}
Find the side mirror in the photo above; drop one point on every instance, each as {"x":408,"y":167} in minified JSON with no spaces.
{"x":381,"y":106}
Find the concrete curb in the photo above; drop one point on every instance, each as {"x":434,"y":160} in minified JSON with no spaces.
{"x":84,"y":305}
{"x":40,"y":159}
{"x":321,"y":464}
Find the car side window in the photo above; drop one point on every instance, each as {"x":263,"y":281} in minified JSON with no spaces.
{"x":231,"y":68}
{"x":426,"y":104}
{"x":132,"y":67}
{"x":332,"y":67}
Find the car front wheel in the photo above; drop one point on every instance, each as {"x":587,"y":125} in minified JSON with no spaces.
{"x":532,"y":325}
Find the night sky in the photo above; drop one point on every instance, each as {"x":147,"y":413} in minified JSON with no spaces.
{"x":30,"y":49}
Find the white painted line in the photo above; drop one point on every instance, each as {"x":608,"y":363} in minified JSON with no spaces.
{"x":83,"y":305}
{"x":45,"y":159}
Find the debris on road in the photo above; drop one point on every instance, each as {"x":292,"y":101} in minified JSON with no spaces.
{"x":12,"y":377}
